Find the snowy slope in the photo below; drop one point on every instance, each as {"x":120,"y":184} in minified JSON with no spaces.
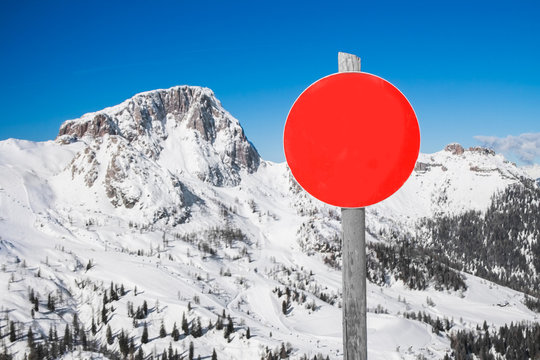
{"x":451,"y":181}
{"x":165,"y":194}
{"x":533,"y":171}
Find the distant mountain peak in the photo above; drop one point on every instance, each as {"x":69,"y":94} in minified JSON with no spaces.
{"x":457,"y":149}
{"x":151,"y":114}
{"x":454,"y":148}
{"x":141,"y":153}
{"x":137,"y":115}
{"x":186,"y":125}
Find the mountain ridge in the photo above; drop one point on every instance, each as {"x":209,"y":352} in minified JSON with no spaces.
{"x":149,"y":118}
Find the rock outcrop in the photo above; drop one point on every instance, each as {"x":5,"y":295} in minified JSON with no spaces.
{"x":146,"y":120}
{"x":455,"y":149}
{"x":482,"y":150}
{"x":144,"y":150}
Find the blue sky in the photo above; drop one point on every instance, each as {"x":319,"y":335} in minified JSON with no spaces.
{"x":469,"y":68}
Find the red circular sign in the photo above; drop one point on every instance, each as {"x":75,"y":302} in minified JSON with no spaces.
{"x":351,"y":139}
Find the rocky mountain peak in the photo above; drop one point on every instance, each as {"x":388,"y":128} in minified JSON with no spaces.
{"x":481,"y":150}
{"x":454,"y":148}
{"x":149,"y":118}
{"x":141,"y":153}
{"x":457,"y":149}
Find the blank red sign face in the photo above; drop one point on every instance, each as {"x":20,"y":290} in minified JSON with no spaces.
{"x":351,"y":139}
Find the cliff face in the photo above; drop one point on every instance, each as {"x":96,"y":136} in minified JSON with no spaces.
{"x":148,"y":119}
{"x":140,"y":154}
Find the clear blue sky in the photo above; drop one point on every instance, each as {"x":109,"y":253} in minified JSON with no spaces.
{"x":468,"y":67}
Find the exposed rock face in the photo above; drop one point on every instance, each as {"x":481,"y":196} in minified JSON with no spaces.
{"x":421,"y":167}
{"x":455,"y":149}
{"x":482,"y":150}
{"x":141,"y":151}
{"x":100,"y":125}
{"x":145,"y":120}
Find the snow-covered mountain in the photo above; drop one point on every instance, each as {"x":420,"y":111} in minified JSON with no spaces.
{"x":533,"y":171}
{"x":162,"y":199}
{"x":137,"y":152}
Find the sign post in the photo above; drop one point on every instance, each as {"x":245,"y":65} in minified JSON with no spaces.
{"x":353,"y":258}
{"x":351,"y":140}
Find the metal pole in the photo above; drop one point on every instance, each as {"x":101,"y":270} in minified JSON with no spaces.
{"x":353,"y":222}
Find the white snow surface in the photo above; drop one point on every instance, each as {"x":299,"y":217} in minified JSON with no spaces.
{"x":53,"y":222}
{"x":533,"y":171}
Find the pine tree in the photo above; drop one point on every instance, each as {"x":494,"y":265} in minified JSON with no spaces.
{"x":112,"y":293}
{"x":226,"y":333}
{"x":109,"y":335}
{"x":214,"y":355}
{"x":185,"y":325}
{"x":104,"y":314}
{"x":84,"y":340}
{"x":196,"y":330}
{"x":283,"y":352}
{"x":145,"y":308}
{"x":75,"y":324}
{"x":50,"y":303}
{"x":54,"y":350}
{"x":144,"y":337}
{"x":12,"y":333}
{"x":139,"y":314}
{"x":30,"y":337}
{"x":68,"y":340}
{"x":175,"y":333}
{"x":62,"y":347}
{"x":248,"y":333}
{"x":131,"y":347}
{"x":437,"y":326}
{"x":191,"y":351}
{"x":140,"y":354}
{"x":162,"y":331}
{"x":93,"y":328}
{"x":36,"y":303}
{"x":219,"y":323}
{"x":123,"y":343}
{"x":230,"y":325}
